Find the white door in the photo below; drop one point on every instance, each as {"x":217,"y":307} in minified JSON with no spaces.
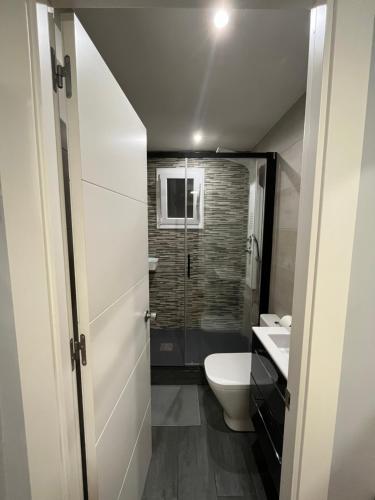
{"x":107,"y":165}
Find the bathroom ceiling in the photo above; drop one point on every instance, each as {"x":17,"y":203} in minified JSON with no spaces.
{"x":181,"y":75}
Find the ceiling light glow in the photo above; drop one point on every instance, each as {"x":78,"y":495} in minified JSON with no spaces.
{"x":197,"y":137}
{"x":221,"y":18}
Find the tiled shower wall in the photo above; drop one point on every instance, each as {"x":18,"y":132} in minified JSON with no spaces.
{"x":286,"y":138}
{"x":215,"y":290}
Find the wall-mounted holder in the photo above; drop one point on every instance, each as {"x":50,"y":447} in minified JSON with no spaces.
{"x":152,"y":264}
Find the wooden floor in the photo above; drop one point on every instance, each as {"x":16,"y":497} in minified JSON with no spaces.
{"x":206,"y":462}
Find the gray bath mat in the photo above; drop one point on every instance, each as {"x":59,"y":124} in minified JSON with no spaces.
{"x":175,"y":405}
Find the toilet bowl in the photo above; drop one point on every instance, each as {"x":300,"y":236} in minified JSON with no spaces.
{"x":228,"y":375}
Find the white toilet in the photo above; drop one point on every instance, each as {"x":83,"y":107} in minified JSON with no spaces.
{"x":228,"y":375}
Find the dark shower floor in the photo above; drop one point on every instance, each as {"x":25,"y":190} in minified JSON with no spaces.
{"x":168,"y":347}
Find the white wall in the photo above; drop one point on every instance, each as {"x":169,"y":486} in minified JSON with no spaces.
{"x":352,"y":473}
{"x":14,"y":475}
{"x":286,"y":138}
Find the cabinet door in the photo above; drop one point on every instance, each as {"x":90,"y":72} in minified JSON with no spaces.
{"x":270,"y":383}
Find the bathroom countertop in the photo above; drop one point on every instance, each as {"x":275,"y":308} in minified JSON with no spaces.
{"x":279,"y":356}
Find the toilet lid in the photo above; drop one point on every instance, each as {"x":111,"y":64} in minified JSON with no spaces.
{"x":229,"y":368}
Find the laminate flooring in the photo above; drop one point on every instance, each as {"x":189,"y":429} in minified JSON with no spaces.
{"x":206,"y":461}
{"x":175,"y":405}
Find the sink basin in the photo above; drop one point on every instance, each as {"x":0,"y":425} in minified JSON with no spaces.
{"x":282,"y":341}
{"x":275,"y":340}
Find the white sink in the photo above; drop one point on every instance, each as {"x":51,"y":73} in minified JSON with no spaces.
{"x":282,"y":341}
{"x":275,"y":340}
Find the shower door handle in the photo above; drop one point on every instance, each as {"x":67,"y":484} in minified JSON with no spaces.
{"x":150,"y":315}
{"x":188,"y":265}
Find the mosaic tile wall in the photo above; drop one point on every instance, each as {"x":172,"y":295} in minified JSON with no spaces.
{"x":215,"y":290}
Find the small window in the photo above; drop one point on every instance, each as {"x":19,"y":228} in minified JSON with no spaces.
{"x":171,"y":198}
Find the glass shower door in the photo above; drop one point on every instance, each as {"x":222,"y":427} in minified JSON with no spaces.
{"x":216,"y":261}
{"x":255,"y":243}
{"x":166,"y":227}
{"x":206,"y":223}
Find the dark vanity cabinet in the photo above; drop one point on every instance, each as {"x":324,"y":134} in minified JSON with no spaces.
{"x":267,"y":407}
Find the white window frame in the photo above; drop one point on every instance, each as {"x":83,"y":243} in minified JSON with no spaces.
{"x":162,"y":176}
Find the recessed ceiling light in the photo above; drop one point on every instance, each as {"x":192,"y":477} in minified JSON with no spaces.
{"x":221,"y":18}
{"x":197,"y":137}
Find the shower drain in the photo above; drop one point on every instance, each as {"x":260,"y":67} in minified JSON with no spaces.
{"x":166,"y":347}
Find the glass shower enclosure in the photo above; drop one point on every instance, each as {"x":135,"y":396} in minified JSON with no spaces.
{"x":210,"y":226}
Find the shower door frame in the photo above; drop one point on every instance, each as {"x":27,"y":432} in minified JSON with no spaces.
{"x":269,"y":203}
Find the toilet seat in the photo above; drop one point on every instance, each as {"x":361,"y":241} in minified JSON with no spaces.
{"x":231,"y":370}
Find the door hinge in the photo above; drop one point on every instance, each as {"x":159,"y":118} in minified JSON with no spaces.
{"x":287,"y":399}
{"x":59,"y":73}
{"x":77,"y":347}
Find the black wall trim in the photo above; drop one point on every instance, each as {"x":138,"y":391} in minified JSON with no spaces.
{"x":269,"y":205}
{"x":208,"y":154}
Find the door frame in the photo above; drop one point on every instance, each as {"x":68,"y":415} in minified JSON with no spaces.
{"x":26,"y":196}
{"x":34,"y":232}
{"x":67,"y":20}
{"x":61,"y":106}
{"x":342,"y":31}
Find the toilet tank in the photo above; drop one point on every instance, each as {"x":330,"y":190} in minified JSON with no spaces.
{"x":269,"y":320}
